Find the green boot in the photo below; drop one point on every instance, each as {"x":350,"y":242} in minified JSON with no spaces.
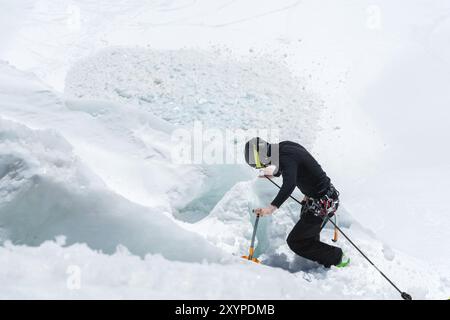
{"x":345,"y":261}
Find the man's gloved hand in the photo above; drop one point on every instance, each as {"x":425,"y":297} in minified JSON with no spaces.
{"x":265,"y":211}
{"x":267,"y":171}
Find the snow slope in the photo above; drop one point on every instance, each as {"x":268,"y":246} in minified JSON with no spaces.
{"x":47,"y":192}
{"x":93,"y":164}
{"x":139,"y":139}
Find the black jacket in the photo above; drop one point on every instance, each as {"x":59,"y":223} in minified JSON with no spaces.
{"x":298,"y":168}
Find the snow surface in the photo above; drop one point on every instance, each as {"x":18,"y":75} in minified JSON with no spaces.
{"x":91,"y":205}
{"x":46,"y":272}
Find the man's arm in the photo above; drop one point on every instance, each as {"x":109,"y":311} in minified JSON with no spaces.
{"x":289,"y":174}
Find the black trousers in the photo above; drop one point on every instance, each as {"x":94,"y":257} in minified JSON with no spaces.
{"x":304,"y":240}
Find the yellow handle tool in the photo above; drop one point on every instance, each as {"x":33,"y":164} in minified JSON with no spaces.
{"x":252,"y":245}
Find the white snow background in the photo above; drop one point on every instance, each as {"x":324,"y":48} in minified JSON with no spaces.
{"x":91,"y":205}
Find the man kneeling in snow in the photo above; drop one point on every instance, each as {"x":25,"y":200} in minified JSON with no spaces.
{"x":299,"y":169}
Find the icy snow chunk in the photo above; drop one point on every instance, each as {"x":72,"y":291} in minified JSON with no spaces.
{"x":48,"y":192}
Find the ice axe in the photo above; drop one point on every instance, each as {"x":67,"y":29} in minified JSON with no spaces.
{"x":252,"y":245}
{"x":335,"y":233}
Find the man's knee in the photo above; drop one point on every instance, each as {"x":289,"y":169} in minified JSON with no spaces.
{"x":293,"y":240}
{"x":290,"y":241}
{"x":298,"y":245}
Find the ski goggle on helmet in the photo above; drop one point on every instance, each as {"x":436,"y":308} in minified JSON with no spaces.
{"x":257,"y":153}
